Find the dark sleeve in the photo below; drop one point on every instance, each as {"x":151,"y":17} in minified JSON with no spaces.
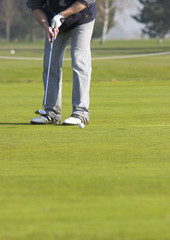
{"x":87,"y":2}
{"x":35,"y":4}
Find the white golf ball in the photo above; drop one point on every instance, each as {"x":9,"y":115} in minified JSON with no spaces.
{"x":81,"y":125}
{"x":12,"y":52}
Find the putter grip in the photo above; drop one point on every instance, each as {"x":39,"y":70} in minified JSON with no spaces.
{"x":52,"y":38}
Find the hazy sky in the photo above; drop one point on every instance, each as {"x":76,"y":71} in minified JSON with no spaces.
{"x":125,"y":26}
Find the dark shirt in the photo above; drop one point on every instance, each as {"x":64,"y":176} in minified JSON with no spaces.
{"x":52,"y":7}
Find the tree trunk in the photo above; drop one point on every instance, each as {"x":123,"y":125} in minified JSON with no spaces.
{"x":8,"y":30}
{"x":106,"y":21}
{"x":8,"y":19}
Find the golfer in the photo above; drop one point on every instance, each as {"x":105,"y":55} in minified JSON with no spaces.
{"x":66,"y":21}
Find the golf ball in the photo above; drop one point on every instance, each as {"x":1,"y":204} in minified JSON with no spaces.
{"x":81,"y":125}
{"x":12,"y":52}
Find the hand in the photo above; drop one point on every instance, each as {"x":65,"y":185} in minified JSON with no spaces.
{"x":51,"y":33}
{"x":57,"y":21}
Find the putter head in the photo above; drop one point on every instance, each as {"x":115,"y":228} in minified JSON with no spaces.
{"x":41,"y":112}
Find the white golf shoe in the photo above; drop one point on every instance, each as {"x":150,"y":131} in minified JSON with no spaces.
{"x":75,"y":119}
{"x":44,"y":119}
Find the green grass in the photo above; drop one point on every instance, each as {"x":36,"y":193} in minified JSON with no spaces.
{"x":108,"y":181}
{"x":110,"y":48}
{"x":136,"y":69}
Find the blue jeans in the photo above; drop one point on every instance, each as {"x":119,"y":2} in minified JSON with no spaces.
{"x":81,"y":64}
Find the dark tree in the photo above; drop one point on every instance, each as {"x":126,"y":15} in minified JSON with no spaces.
{"x":8,"y":11}
{"x":155,"y":14}
{"x":16,"y":21}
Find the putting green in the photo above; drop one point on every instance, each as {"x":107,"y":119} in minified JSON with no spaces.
{"x":108,"y":181}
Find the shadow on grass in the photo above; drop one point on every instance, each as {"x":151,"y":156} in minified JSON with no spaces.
{"x":25,"y":124}
{"x":15,"y":123}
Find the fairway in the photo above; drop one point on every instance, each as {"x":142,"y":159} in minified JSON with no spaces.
{"x":108,"y":181}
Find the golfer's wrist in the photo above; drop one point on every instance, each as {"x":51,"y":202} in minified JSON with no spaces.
{"x":63,"y":14}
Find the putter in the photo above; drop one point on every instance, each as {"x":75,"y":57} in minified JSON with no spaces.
{"x":42,"y":112}
{"x":48,"y":73}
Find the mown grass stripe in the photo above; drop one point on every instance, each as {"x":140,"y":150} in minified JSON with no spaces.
{"x":94,"y":58}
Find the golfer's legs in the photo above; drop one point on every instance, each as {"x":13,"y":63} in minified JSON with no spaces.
{"x":53,"y":107}
{"x":81,"y":64}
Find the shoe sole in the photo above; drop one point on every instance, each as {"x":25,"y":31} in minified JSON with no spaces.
{"x":52,"y":122}
{"x":69,"y":124}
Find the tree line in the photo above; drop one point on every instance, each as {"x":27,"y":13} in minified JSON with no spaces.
{"x":16,"y":20}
